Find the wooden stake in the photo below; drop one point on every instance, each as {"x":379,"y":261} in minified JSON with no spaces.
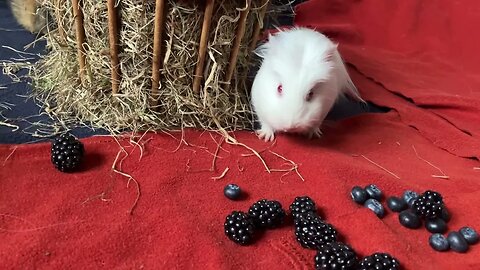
{"x":80,"y":34}
{"x":238,"y":40}
{"x":203,"y":45}
{"x":113,"y":38}
{"x":258,"y":27}
{"x":157,"y":49}
{"x":61,"y":30}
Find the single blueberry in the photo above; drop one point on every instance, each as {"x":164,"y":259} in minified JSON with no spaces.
{"x":438,"y":242}
{"x":436,"y":225}
{"x":445,"y":215}
{"x":409,"y":219}
{"x":457,"y":242}
{"x":232,"y":191}
{"x":374,"y":192}
{"x":409,"y":197}
{"x":359,"y":195}
{"x":376,"y":207}
{"x":470,"y":235}
{"x":396,"y":204}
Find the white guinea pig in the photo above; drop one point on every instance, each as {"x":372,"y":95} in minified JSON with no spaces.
{"x":299,"y":80}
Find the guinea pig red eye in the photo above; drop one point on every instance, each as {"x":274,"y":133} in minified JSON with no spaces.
{"x":280,"y":89}
{"x":309,"y":96}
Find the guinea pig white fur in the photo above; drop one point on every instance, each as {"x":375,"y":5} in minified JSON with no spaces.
{"x":299,"y":80}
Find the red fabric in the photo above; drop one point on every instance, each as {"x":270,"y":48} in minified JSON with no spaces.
{"x":412,"y":56}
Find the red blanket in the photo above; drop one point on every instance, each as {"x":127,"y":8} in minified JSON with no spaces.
{"x":416,"y":57}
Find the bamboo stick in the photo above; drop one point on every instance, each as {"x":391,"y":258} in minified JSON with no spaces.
{"x":157,"y":48}
{"x":113,"y":38}
{"x":258,"y":26}
{"x":80,"y":35}
{"x":238,"y":40}
{"x":61,"y":29}
{"x":203,"y":45}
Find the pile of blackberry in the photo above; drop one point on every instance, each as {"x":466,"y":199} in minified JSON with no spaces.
{"x":242,"y":227}
{"x":311,"y":232}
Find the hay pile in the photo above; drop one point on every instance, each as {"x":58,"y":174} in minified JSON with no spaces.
{"x":219,"y":105}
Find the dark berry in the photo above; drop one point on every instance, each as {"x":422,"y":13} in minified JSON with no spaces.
{"x":336,"y":255}
{"x":374,"y":192}
{"x":232,"y":191}
{"x":376,"y":207}
{"x":239,"y":228}
{"x":312,"y":232}
{"x":457,"y":242}
{"x":379,"y":261}
{"x":396,"y":204}
{"x":436,"y":225}
{"x":445,"y":215}
{"x":267,"y":213}
{"x":438,"y":242}
{"x":67,"y":153}
{"x":409,"y":197}
{"x":470,"y":235}
{"x":359,"y":195}
{"x":409,"y":219}
{"x":429,"y":204}
{"x":302,"y":204}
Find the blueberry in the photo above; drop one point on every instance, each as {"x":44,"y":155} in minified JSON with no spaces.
{"x":445,"y":215}
{"x":374,"y":192}
{"x":359,"y":195}
{"x":438,"y":242}
{"x":457,"y":242}
{"x":436,"y":225}
{"x":396,"y":204}
{"x":470,"y":235}
{"x":409,"y":197}
{"x":232,"y":191}
{"x":409,"y":219}
{"x":376,"y":207}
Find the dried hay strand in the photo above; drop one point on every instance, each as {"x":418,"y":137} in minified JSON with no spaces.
{"x":220,"y":105}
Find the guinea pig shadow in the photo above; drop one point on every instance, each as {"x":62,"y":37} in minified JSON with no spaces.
{"x":92,"y":160}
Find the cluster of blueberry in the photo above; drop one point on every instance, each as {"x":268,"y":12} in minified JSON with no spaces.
{"x":311,"y":231}
{"x":413,"y":208}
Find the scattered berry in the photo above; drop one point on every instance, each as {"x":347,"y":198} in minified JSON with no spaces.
{"x":438,"y":242}
{"x":396,"y":204}
{"x":379,"y":261}
{"x":336,"y":255}
{"x":374,"y":192}
{"x":302,"y":204}
{"x":359,"y":195}
{"x":376,"y":207}
{"x":267,"y":213}
{"x":429,"y":204}
{"x":239,"y":227}
{"x":436,"y":225}
{"x":67,"y":153}
{"x":312,"y":232}
{"x":445,"y":215}
{"x":409,"y":197}
{"x":470,"y":235}
{"x":457,"y":242}
{"x":409,"y":219}
{"x":232,"y":191}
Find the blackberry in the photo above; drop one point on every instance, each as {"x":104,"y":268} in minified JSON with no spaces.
{"x":429,"y":204}
{"x":336,"y":256}
{"x":67,"y":153}
{"x":267,"y":214}
{"x":239,"y":228}
{"x":302,"y":204}
{"x":379,"y":261}
{"x":312,"y":232}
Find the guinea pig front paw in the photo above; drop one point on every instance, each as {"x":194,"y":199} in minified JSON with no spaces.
{"x":265,"y":133}
{"x":315,"y":133}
